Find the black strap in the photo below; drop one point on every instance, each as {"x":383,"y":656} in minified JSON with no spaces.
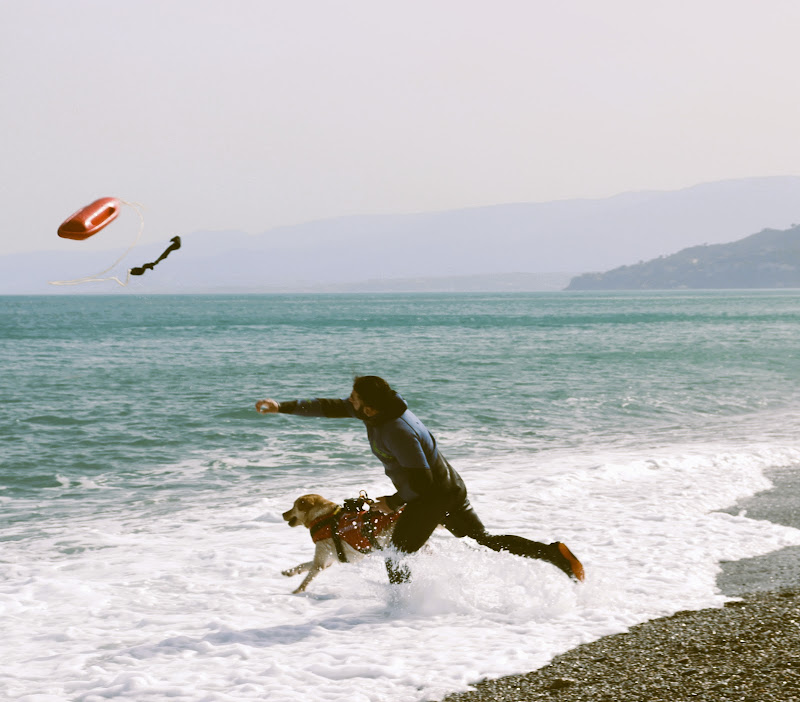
{"x":337,"y":541}
{"x":333,"y":523}
{"x":174,"y":246}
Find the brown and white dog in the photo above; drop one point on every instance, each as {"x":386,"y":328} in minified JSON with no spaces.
{"x":338,"y":535}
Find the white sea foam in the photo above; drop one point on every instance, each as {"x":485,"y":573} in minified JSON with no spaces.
{"x":187,"y":602}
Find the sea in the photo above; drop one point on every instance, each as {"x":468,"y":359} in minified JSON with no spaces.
{"x":141,"y":494}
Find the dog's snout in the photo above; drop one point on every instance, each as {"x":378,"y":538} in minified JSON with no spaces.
{"x":291,"y":517}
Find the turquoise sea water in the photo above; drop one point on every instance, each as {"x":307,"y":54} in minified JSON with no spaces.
{"x":135,"y":415}
{"x":112,"y":386}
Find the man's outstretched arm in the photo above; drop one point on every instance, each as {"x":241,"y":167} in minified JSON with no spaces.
{"x":316,"y":407}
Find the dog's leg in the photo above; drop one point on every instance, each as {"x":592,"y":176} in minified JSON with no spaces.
{"x":311,"y":575}
{"x":323,"y":557}
{"x":302,"y":568}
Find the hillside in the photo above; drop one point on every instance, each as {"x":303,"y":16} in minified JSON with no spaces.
{"x":769,"y":259}
{"x":507,"y":246}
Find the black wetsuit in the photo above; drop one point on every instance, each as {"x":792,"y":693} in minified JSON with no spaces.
{"x":431,"y":490}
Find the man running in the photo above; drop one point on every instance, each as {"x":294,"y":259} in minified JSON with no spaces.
{"x":431,"y":491}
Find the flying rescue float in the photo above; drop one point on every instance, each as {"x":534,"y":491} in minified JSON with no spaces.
{"x":93,"y":218}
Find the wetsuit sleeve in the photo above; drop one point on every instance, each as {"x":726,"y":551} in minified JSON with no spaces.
{"x":318,"y":407}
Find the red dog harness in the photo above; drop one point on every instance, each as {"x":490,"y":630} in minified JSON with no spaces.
{"x":357,"y":529}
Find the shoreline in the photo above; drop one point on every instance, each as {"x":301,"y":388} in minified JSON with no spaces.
{"x":747,"y":651}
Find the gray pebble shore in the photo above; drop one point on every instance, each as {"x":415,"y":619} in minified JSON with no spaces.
{"x":747,"y":651}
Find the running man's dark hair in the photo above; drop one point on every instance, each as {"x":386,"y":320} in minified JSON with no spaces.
{"x":374,"y":392}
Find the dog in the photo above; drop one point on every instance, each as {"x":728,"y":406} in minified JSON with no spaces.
{"x":346,"y":534}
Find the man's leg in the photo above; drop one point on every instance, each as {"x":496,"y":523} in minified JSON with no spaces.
{"x":414,"y":527}
{"x":463,"y":521}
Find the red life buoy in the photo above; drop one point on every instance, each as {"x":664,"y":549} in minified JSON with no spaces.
{"x":91,"y":219}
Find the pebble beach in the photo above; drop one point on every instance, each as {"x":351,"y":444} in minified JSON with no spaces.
{"x":748,"y":651}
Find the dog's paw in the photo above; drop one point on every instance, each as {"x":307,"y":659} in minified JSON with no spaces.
{"x":288,"y":573}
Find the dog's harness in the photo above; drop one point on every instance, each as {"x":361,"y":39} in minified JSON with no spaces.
{"x":359,"y":529}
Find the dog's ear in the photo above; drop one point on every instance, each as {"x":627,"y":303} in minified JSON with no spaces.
{"x":305,"y":502}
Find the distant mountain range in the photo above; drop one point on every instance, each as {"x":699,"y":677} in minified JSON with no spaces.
{"x":769,"y":259}
{"x":527,"y":246}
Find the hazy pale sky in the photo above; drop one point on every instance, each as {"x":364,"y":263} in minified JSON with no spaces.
{"x":247,"y":114}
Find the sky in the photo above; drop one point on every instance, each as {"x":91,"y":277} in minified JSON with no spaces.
{"x":250,"y":114}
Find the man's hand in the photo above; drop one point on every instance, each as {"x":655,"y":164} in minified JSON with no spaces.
{"x":268,"y":406}
{"x":382,"y":506}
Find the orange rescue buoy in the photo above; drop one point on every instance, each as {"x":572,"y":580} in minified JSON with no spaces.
{"x":91,"y":219}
